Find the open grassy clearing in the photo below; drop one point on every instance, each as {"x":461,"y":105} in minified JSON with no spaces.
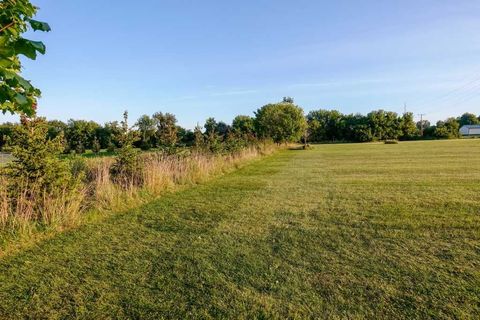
{"x":340,"y":231}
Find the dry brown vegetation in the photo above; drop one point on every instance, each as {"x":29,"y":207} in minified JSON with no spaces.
{"x":160,"y":172}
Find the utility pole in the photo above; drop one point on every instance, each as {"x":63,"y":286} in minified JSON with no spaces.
{"x":421,"y":123}
{"x":405,"y":108}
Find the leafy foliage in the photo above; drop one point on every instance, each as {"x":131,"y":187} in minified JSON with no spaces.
{"x":468,"y":119}
{"x":385,"y":124}
{"x":37,"y":170}
{"x":81,"y":135}
{"x":244,"y":125}
{"x":166,"y":129}
{"x":447,"y":129}
{"x":331,"y":125}
{"x":56,"y":128}
{"x":283,"y":122}
{"x":323,"y":125}
{"x":146,"y":128}
{"x":199,"y":141}
{"x":36,"y":157}
{"x":6,"y":134}
{"x":17,"y":95}
{"x":408,"y":127}
{"x":210,"y":126}
{"x":185,"y":137}
{"x":126,"y":170}
{"x":96,"y":146}
{"x":326,"y":125}
{"x":423,"y":124}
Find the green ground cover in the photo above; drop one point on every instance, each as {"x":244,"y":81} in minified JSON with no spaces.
{"x":339,"y":231}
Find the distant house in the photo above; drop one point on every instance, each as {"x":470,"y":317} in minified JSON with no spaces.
{"x":470,"y":130}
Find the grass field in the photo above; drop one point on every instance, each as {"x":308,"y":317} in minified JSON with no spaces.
{"x":340,"y":231}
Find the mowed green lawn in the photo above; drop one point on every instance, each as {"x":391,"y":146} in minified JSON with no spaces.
{"x":340,"y":231}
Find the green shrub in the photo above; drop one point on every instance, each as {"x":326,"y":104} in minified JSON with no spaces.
{"x":145,"y":145}
{"x":96,"y":148}
{"x":37,"y":173}
{"x":214,"y":143}
{"x":78,"y":167}
{"x":235,"y":143}
{"x":79,"y":148}
{"x":111,"y":147}
{"x":127,"y":168}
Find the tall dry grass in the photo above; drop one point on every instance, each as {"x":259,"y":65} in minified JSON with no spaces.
{"x":160,"y":172}
{"x":33,"y":205}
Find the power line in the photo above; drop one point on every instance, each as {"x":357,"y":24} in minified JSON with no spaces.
{"x":453,"y":94}
{"x":472,"y":83}
{"x":455,"y":101}
{"x":467,"y":98}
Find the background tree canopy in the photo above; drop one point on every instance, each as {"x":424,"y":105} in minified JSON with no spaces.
{"x":243,"y":125}
{"x":17,"y":95}
{"x":283,"y":122}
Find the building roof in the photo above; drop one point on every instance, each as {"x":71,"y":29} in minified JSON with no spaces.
{"x":471,"y":126}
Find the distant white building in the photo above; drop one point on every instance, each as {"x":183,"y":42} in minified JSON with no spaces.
{"x":470,"y":130}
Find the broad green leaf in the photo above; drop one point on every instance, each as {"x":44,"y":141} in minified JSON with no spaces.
{"x":29,"y":48}
{"x":21,"y":99}
{"x":22,"y":46}
{"x":3,"y":41}
{"x":7,"y":73}
{"x":6,"y":63}
{"x":16,"y":93}
{"x":38,"y":45}
{"x":38,"y":25}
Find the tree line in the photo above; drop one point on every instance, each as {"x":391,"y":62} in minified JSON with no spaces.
{"x":157,"y":131}
{"x":282,"y":122}
{"x":332,"y":125}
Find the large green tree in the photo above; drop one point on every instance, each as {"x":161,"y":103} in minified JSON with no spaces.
{"x":357,"y":128}
{"x":199,"y":139}
{"x":283,"y":122}
{"x":326,"y":125}
{"x":37,"y":170}
{"x":468,"y":119}
{"x":146,"y":128}
{"x":17,"y":95}
{"x":212,"y":136}
{"x":243,"y":125}
{"x":408,"y":126}
{"x":6,"y":133}
{"x":210,"y":126}
{"x":56,"y":128}
{"x":448,"y":129}
{"x":385,"y":124}
{"x":166,"y":124}
{"x":80,"y":134}
{"x":110,"y":135}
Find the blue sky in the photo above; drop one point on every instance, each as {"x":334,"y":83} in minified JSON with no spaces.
{"x":222,"y":58}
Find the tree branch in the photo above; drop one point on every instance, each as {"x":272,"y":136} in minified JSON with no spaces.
{"x":7,"y":26}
